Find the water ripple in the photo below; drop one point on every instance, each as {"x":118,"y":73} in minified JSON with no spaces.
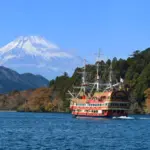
{"x":54,"y":131}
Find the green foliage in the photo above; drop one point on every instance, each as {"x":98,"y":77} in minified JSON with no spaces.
{"x":135,"y":71}
{"x":51,"y":83}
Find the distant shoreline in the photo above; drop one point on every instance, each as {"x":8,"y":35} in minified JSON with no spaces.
{"x":60,"y":112}
{"x":8,"y":111}
{"x":31,"y":111}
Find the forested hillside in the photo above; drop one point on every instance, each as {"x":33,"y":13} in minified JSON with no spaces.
{"x":135,"y":71}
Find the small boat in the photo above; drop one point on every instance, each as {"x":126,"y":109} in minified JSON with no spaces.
{"x":102,"y":100}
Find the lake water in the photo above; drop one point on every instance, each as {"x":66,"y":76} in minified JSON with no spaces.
{"x":58,"y":131}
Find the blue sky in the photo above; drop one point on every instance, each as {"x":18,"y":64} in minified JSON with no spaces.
{"x":118,"y":27}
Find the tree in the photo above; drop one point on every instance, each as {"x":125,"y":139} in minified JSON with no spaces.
{"x":51,"y":83}
{"x":135,"y":53}
{"x":65,"y":74}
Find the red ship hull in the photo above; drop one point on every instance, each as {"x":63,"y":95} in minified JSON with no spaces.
{"x":109,"y":115}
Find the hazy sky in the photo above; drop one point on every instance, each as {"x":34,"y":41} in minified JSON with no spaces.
{"x":118,"y":27}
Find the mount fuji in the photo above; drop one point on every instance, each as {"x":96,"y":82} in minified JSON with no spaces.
{"x":36,"y":55}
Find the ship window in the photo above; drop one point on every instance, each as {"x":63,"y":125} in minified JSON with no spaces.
{"x":122,"y":104}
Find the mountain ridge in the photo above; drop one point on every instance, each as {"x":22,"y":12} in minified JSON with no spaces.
{"x":10,"y":80}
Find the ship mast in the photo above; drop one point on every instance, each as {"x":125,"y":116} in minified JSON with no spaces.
{"x":97,"y":71}
{"x":97,"y":82}
{"x":110,"y":76}
{"x":84,"y":77}
{"x":83,"y":81}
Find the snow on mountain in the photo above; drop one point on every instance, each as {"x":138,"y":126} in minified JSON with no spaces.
{"x":37,"y":55}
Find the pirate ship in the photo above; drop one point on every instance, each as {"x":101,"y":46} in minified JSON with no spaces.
{"x":102,"y":100}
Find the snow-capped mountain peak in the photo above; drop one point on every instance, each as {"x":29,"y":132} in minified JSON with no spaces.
{"x":35,"y":54}
{"x":32,"y":45}
{"x":23,"y":42}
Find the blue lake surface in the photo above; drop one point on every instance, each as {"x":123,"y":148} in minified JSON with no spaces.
{"x":58,"y":131}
